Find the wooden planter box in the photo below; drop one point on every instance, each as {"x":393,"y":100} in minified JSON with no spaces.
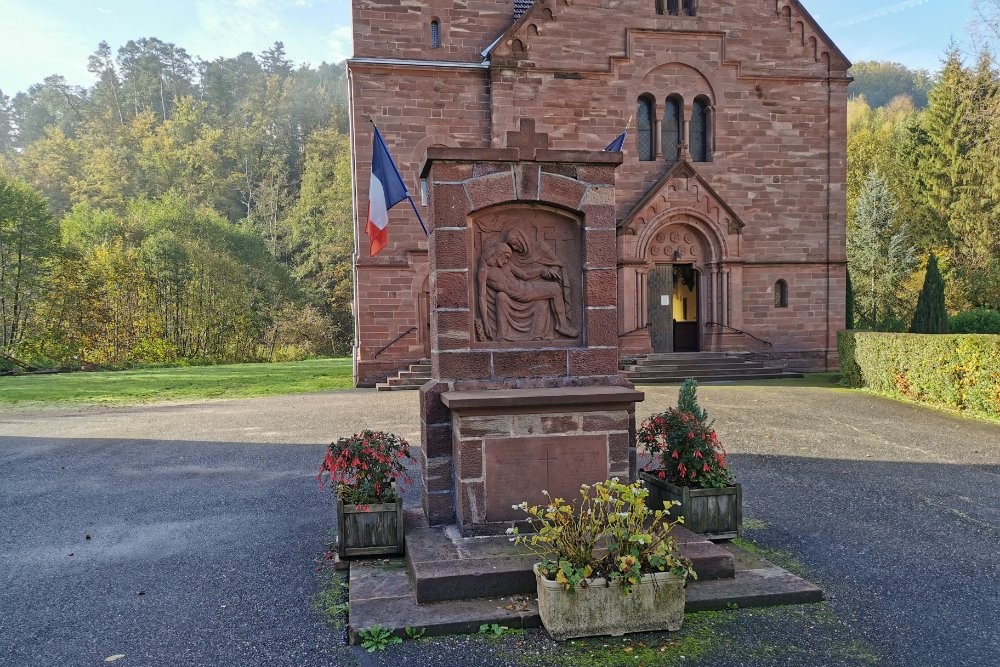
{"x":369,"y":530}
{"x":715,"y":513}
{"x":657,"y":603}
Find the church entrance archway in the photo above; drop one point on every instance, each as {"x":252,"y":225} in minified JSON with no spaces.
{"x":673,"y":307}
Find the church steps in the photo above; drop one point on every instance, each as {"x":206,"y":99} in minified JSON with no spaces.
{"x":407,"y":380}
{"x":702,"y":366}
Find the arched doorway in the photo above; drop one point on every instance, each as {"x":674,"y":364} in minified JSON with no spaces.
{"x":677,"y":297}
{"x":674,"y":296}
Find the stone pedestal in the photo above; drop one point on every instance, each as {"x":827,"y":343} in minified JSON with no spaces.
{"x":525,"y":393}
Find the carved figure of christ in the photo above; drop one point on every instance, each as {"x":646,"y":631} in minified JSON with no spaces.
{"x":523,"y":285}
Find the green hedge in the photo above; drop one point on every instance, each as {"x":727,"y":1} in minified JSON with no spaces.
{"x":954,"y":370}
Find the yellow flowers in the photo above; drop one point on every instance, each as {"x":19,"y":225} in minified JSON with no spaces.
{"x":608,"y":532}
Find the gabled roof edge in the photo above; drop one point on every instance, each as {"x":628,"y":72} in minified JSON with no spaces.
{"x":666,"y":178}
{"x":509,"y":32}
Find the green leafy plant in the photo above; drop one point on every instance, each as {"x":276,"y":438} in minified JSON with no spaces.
{"x":415,"y":633}
{"x":363,"y":468}
{"x":494,"y":629}
{"x":979,"y":320}
{"x":685,"y":451}
{"x":609,"y":532}
{"x":687,"y":401}
{"x":377,"y":638}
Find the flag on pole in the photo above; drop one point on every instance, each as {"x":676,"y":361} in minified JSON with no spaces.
{"x":385,"y":190}
{"x":619,"y":142}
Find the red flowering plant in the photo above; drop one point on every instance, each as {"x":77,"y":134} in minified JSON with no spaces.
{"x":363,"y":468}
{"x":686,"y":451}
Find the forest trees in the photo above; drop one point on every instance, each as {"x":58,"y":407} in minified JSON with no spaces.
{"x":180,"y":209}
{"x":941,"y":167}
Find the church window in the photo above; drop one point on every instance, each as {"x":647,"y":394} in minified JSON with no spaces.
{"x":659,"y":6}
{"x":699,"y":139}
{"x":435,"y":34}
{"x":673,"y":7}
{"x":690,"y":7}
{"x":781,"y":294}
{"x":671,"y":129}
{"x":644,"y":127}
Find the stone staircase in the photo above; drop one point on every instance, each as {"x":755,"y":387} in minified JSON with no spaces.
{"x":410,"y":379}
{"x":702,"y":366}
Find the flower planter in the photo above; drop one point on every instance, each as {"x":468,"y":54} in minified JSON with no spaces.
{"x":369,"y":530}
{"x":657,"y":603}
{"x":715,"y":513}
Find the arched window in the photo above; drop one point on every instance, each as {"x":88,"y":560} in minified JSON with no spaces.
{"x":671,"y":130}
{"x":690,"y":7}
{"x":781,"y":294}
{"x":700,"y":132}
{"x":435,"y":34}
{"x":644,"y":127}
{"x":673,"y":7}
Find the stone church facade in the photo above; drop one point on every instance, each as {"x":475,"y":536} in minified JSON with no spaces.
{"x":730,"y":202}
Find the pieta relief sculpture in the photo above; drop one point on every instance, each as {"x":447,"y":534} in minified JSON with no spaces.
{"x":524,"y":288}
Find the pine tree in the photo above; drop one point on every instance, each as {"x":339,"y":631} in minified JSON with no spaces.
{"x":880,"y":256}
{"x":931,"y":316}
{"x":941,"y":164}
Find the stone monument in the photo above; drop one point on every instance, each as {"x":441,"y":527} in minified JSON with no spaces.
{"x":525,"y":394}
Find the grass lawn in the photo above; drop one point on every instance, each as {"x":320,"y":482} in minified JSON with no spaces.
{"x":167,"y":384}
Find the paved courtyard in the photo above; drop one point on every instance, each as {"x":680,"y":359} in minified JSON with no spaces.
{"x":188,"y":534}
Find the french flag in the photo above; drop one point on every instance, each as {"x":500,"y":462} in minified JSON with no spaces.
{"x":385,"y":191}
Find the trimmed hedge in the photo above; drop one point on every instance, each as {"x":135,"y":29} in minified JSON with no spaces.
{"x":954,"y":370}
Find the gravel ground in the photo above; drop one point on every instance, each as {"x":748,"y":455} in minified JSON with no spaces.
{"x":206,"y":529}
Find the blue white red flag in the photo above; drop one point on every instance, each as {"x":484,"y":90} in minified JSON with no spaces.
{"x":617,"y":144}
{"x":385,"y":190}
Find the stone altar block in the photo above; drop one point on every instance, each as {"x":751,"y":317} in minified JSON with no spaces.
{"x":525,"y":393}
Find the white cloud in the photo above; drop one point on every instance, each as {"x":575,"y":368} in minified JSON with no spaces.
{"x":341,"y":43}
{"x":878,"y":13}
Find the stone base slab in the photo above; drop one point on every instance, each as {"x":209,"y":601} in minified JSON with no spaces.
{"x":381,"y":593}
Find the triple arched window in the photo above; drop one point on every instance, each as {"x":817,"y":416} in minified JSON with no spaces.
{"x":677,"y":7}
{"x":666,"y":137}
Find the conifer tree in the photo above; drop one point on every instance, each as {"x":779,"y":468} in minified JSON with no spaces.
{"x":930,"y":316}
{"x":880,"y":256}
{"x":687,"y":401}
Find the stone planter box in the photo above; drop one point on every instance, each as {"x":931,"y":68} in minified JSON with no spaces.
{"x":369,"y":530}
{"x":715,"y":513}
{"x":657,"y":603}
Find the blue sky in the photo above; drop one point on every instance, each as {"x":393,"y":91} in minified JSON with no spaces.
{"x":42,"y":37}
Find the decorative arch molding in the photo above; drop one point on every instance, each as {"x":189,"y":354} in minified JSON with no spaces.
{"x":683,"y":235}
{"x":631,"y":71}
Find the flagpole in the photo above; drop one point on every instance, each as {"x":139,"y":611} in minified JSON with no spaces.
{"x":408,"y":197}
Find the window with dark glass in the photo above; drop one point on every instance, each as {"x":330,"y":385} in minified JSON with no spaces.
{"x":699,"y":130}
{"x":644,"y":127}
{"x":659,"y":6}
{"x":690,"y":7}
{"x":673,"y":7}
{"x":435,"y":34}
{"x":671,"y":130}
{"x":781,"y":294}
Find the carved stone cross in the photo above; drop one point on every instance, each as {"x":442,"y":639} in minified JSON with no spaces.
{"x":526,"y":138}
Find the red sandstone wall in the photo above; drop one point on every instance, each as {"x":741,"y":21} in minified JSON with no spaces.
{"x":780,"y":135}
{"x":402,"y":28}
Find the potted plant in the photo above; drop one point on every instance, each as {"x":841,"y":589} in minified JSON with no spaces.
{"x":363,"y":471}
{"x":609,"y":564}
{"x":689,"y":468}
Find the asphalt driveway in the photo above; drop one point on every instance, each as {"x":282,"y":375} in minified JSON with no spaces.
{"x":205,"y":525}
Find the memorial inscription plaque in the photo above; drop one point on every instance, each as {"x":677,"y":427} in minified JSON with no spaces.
{"x":518,"y":469}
